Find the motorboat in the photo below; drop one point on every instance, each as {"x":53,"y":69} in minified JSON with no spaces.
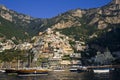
{"x":74,"y":68}
{"x":101,"y":70}
{"x":2,"y":70}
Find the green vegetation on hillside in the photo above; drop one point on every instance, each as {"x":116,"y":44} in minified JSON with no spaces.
{"x":12,"y":55}
{"x":110,"y":39}
{"x":9,"y":30}
{"x":79,"y":32}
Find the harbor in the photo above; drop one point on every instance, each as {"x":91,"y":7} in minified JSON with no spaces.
{"x":77,"y":69}
{"x":60,"y":75}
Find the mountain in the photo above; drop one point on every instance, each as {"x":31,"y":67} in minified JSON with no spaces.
{"x":9,"y":30}
{"x":21,"y":26}
{"x":98,"y":27}
{"x":9,"y":26}
{"x":80,"y":24}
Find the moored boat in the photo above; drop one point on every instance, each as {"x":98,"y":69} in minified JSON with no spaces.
{"x":58,"y":69}
{"x":32,"y":71}
{"x":2,"y":70}
{"x":11,"y":71}
{"x":101,"y":70}
{"x":74,"y":68}
{"x":82,"y":69}
{"x":78,"y":69}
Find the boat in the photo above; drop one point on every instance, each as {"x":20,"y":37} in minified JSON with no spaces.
{"x":32,"y":71}
{"x":58,"y":69}
{"x":78,"y":69}
{"x":2,"y":70}
{"x":29,"y":70}
{"x":74,"y":68}
{"x":82,"y":69}
{"x":101,"y":70}
{"x":10,"y":71}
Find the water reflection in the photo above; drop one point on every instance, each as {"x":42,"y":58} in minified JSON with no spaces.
{"x":113,"y":75}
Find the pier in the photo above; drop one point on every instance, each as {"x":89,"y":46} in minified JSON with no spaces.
{"x":104,"y":66}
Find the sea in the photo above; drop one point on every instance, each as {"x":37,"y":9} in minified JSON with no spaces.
{"x":63,"y":75}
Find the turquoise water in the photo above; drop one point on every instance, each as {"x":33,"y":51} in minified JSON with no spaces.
{"x":63,"y":76}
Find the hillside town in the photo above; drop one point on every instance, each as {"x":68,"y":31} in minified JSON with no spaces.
{"x":51,"y":49}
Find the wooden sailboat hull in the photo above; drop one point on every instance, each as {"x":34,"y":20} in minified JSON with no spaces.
{"x":32,"y":71}
{"x":11,"y":71}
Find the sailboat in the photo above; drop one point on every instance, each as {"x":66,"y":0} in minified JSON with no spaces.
{"x":28,"y":70}
{"x":10,"y":71}
{"x":32,"y":70}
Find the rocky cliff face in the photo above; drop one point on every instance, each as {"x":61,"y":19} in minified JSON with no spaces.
{"x":100,"y":17}
{"x":25,"y":23}
{"x":7,"y":13}
{"x":13,"y":16}
{"x":108,"y":14}
{"x":68,"y":19}
{"x":82,"y":23}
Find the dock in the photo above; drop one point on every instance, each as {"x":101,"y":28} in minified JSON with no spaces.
{"x":104,"y":66}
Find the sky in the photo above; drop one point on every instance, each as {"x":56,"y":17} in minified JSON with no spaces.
{"x":50,"y":8}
